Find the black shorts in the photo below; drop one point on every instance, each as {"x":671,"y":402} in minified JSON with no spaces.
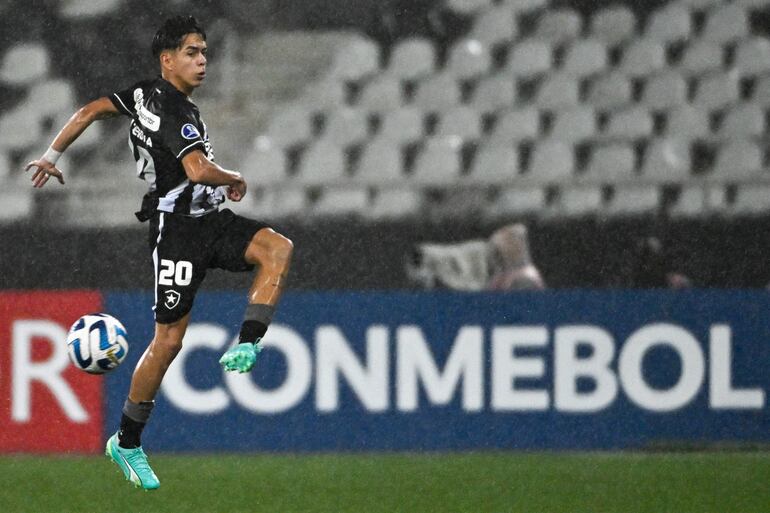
{"x":184,"y":247}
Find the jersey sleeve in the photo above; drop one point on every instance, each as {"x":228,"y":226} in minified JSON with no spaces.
{"x":124,"y":100}
{"x":180,"y":132}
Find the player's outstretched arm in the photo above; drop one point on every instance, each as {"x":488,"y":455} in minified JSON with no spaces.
{"x":45,"y":166}
{"x":201,"y":170}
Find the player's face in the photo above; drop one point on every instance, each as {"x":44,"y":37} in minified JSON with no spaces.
{"x":187,"y":64}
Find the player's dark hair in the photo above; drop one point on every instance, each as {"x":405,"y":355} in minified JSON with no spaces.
{"x":172,"y":33}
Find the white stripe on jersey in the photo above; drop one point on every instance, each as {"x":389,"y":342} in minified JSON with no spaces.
{"x":155,"y":256}
{"x":123,"y":104}
{"x":166,"y":203}
{"x":188,"y":147}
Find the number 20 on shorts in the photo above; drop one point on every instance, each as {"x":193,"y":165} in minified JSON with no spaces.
{"x":175,"y":273}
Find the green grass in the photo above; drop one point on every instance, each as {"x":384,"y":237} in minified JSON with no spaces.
{"x":716,"y":482}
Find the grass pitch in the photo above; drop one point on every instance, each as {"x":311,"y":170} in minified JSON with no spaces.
{"x":368,"y":483}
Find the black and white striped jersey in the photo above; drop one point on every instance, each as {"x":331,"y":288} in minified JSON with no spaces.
{"x":166,"y":126}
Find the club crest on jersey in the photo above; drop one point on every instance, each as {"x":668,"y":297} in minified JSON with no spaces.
{"x":171,"y":299}
{"x":189,"y":131}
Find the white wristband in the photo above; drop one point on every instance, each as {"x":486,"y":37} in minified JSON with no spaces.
{"x":51,"y":155}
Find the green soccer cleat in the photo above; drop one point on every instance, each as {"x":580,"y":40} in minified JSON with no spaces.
{"x":240,"y":358}
{"x":133,"y":463}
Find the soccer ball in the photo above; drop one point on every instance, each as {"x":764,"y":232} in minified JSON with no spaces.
{"x":97,"y":343}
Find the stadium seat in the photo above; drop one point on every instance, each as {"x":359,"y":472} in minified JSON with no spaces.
{"x":24,"y":64}
{"x":494,"y":93}
{"x":726,"y":24}
{"x":494,"y":164}
{"x":613,"y":24}
{"x":641,"y":57}
{"x":557,"y":91}
{"x":280,"y":202}
{"x":402,"y":126}
{"x":666,"y":160}
{"x":516,"y":125}
{"x":611,"y":163}
{"x":691,"y":202}
{"x":629,"y":124}
{"x":530,"y":58}
{"x":321,"y":163}
{"x":382,"y":93}
{"x":468,"y":59}
{"x":609,"y":91}
{"x":290,"y":126}
{"x":325,"y":94}
{"x":20,"y":129}
{"x":576,"y":201}
{"x":633,"y":200}
{"x":394,"y":203}
{"x":5,"y":166}
{"x":438,"y":161}
{"x":345,"y":127}
{"x":743,"y":121}
{"x":516,"y":201}
{"x":702,"y":56}
{"x":717,"y":90}
{"x":700,"y":5}
{"x":559,"y":25}
{"x":412,"y":59}
{"x":688,"y":122}
{"x":381,"y":162}
{"x":737,"y":160}
{"x":669,"y":23}
{"x":665,"y":90}
{"x":467,"y":6}
{"x":524,"y":6}
{"x":51,"y":97}
{"x":81,"y":9}
{"x":495,"y":25}
{"x":356,"y":58}
{"x":341,"y":201}
{"x":752,"y":56}
{"x":573,"y":125}
{"x":551,"y":162}
{"x":585,"y":57}
{"x":698,"y":201}
{"x":265,"y":164}
{"x":18,"y":204}
{"x":437,"y":92}
{"x":751,"y":200}
{"x":761,"y":94}
{"x":461,"y":121}
{"x":752,"y":4}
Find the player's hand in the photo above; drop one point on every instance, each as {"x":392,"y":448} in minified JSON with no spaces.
{"x":238,"y":191}
{"x":43,"y":171}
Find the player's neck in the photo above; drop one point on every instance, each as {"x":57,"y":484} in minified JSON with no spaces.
{"x":180,"y":85}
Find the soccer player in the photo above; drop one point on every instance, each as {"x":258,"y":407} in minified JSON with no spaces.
{"x":189,"y":233}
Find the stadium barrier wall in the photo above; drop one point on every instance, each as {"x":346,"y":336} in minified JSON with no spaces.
{"x":360,"y":371}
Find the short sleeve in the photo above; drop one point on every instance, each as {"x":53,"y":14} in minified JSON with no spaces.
{"x":180,"y":132}
{"x":124,"y":100}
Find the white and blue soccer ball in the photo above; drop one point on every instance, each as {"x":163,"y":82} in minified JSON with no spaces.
{"x":97,"y":343}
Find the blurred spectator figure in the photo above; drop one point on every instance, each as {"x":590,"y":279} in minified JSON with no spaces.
{"x":650,"y":267}
{"x":512,"y":267}
{"x":501,"y":262}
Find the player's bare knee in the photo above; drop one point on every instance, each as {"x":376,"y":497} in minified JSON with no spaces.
{"x":281,"y":250}
{"x":270,"y":249}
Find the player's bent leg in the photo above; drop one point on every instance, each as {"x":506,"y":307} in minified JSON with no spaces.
{"x":272,"y":252}
{"x":133,"y":463}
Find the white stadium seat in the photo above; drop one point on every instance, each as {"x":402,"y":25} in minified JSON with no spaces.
{"x":25,"y":63}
